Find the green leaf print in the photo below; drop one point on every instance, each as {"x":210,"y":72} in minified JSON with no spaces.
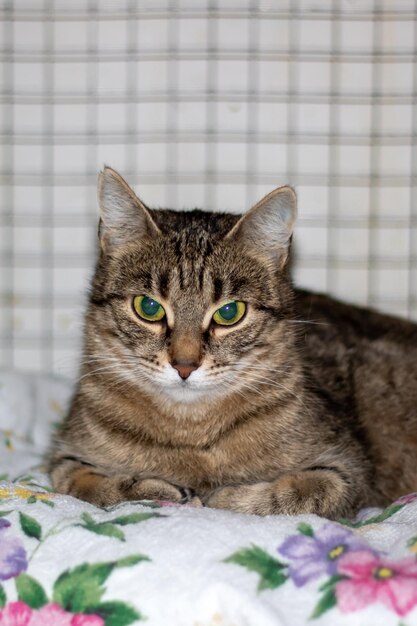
{"x":327,"y":601}
{"x":110,"y":527}
{"x":376,"y":519}
{"x":30,"y":591}
{"x":24,"y":479}
{"x":30,"y":526}
{"x":102,"y":528}
{"x":257,"y":560}
{"x":305,"y":529}
{"x":3,"y":513}
{"x":134,"y":518}
{"x":48,"y":503}
{"x":80,"y":589}
{"x":107,"y":529}
{"x":45,"y":488}
{"x":129,"y":561}
{"x":87,"y":519}
{"x":3,"y":598}
{"x":116,"y":613}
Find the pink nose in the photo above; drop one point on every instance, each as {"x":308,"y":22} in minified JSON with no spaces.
{"x":184,"y":368}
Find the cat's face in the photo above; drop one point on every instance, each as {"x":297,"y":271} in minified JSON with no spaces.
{"x":185,"y":304}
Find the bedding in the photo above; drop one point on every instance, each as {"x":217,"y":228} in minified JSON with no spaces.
{"x":64,"y":562}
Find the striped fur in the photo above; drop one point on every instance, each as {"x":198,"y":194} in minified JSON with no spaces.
{"x":285,"y":412}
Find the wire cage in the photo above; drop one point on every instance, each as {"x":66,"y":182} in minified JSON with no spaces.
{"x":205,"y":104}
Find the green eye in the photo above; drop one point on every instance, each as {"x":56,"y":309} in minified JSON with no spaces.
{"x":148,"y":308}
{"x":230,"y":313}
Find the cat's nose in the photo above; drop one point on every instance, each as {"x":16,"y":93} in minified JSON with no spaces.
{"x":185,"y":367}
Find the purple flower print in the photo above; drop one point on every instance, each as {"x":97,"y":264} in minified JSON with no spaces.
{"x":319,"y":554}
{"x":12,"y":553}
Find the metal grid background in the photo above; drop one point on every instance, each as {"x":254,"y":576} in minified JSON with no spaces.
{"x":210,"y":104}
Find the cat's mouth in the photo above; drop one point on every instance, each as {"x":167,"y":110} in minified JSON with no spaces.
{"x":196,"y":387}
{"x":186,"y":392}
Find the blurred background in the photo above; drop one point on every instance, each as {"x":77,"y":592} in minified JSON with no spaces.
{"x":211,"y":104}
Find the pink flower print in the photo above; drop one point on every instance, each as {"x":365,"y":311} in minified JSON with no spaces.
{"x":371,"y":578}
{"x":15,"y":614}
{"x":54,"y":615}
{"x":410,"y":497}
{"x":20,"y":614}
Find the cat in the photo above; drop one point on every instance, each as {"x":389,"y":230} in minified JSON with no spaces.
{"x":207,"y":377}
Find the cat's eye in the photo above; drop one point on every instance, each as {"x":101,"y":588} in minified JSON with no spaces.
{"x":148,"y":308}
{"x":230,"y":313}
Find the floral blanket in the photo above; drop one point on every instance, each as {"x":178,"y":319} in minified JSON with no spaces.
{"x":64,"y":562}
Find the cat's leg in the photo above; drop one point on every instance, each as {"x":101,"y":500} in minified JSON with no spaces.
{"x":87,"y":482}
{"x":321,"y":491}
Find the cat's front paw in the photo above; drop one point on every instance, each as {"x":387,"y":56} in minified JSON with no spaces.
{"x":323,"y":492}
{"x":255,"y":499}
{"x":155,"y":489}
{"x":106,"y":491}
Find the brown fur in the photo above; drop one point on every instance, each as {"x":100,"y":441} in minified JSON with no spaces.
{"x":306,"y":405}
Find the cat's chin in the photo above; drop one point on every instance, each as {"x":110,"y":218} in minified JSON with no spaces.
{"x":186,"y":393}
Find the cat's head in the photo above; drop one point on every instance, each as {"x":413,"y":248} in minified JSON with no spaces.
{"x":188,"y":305}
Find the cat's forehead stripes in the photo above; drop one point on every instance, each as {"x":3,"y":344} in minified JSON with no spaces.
{"x":217,"y":288}
{"x":192,"y":249}
{"x":163,"y":284}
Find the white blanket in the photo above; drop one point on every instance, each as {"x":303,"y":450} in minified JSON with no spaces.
{"x":65,"y":562}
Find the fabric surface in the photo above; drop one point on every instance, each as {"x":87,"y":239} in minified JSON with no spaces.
{"x":65,"y":562}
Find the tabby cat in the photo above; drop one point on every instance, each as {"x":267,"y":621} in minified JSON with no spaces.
{"x":207,"y":376}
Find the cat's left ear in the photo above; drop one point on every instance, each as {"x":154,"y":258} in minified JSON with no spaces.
{"x":267,"y":227}
{"x":123,"y":217}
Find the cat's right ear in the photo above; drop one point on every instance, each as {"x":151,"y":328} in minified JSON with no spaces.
{"x":123,"y":217}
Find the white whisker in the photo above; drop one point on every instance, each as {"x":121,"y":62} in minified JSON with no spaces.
{"x":308,"y":322}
